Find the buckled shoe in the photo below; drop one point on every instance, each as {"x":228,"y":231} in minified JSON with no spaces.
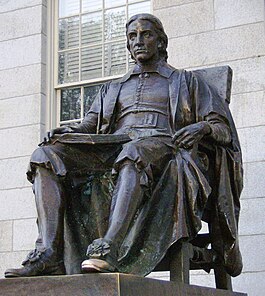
{"x":37,"y":263}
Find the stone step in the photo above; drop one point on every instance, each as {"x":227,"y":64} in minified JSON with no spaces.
{"x":100,"y":284}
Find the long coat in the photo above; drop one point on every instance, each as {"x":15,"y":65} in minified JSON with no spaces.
{"x":186,"y":193}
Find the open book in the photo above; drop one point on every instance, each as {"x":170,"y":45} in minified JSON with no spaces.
{"x":77,"y":138}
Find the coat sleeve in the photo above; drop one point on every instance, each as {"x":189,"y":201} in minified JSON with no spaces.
{"x":209,"y":107}
{"x":220,"y":131}
{"x":92,"y":120}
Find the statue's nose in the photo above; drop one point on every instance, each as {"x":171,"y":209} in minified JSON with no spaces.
{"x":139,"y":39}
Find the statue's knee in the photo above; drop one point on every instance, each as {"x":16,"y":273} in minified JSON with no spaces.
{"x":127,"y":163}
{"x":38,"y":155}
{"x":132,"y":146}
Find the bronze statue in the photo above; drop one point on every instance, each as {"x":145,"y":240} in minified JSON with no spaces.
{"x":162,"y":176}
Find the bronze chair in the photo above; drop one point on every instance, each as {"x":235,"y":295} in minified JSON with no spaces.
{"x":194,"y":255}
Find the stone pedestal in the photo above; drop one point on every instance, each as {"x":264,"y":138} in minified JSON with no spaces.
{"x":112,"y":284}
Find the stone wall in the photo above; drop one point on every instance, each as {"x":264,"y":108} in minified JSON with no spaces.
{"x":205,"y":33}
{"x":22,"y":120}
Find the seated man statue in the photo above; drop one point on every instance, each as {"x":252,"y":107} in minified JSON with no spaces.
{"x":164,"y":178}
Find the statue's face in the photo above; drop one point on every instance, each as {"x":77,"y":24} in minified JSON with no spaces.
{"x":143,"y":41}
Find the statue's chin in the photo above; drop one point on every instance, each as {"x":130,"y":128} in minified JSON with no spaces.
{"x":144,"y":60}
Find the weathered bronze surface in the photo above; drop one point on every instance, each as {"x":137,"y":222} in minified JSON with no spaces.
{"x":166,"y":156}
{"x":103,"y":285}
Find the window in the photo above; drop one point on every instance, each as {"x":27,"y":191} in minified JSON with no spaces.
{"x":90,"y":49}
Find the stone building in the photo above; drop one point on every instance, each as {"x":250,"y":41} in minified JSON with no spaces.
{"x":53,"y":50}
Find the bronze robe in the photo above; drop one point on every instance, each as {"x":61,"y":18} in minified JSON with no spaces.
{"x":201,"y":184}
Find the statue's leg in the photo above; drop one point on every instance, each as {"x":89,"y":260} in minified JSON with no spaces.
{"x":47,"y":258}
{"x":127,"y":197}
{"x":50,"y":203}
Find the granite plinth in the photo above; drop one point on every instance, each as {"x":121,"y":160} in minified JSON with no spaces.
{"x":113,"y":284}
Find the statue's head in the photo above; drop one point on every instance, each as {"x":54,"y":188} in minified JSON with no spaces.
{"x":146,"y":38}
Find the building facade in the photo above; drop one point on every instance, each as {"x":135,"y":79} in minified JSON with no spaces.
{"x":55,"y":50}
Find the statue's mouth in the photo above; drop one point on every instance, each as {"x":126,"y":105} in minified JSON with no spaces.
{"x":140,"y":50}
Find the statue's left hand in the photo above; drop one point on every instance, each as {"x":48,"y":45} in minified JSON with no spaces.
{"x":191,"y":134}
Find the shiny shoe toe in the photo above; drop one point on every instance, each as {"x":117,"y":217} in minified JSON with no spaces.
{"x":96,"y":265}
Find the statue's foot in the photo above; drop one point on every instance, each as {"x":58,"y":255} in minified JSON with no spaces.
{"x":37,"y":264}
{"x":96,"y":265}
{"x":35,"y":269}
{"x":99,"y":257}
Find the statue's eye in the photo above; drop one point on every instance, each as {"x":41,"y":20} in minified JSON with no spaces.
{"x":132,"y":36}
{"x":147,"y":35}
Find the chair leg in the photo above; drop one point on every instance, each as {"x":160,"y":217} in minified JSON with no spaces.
{"x":180,"y":263}
{"x":222,"y":278}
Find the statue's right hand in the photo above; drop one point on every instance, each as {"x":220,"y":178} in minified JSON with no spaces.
{"x":50,"y":134}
